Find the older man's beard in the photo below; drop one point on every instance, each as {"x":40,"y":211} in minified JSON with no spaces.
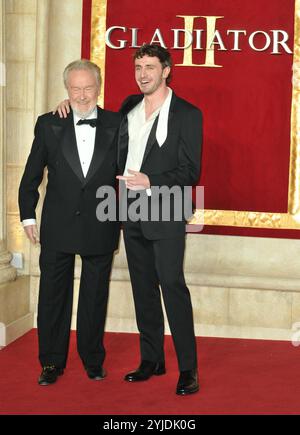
{"x":83,"y":115}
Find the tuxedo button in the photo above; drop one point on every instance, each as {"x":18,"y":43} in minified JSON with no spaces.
{"x":77,"y":213}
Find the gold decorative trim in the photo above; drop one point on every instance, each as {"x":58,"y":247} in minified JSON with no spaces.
{"x":98,"y":48}
{"x":245,"y":219}
{"x":231,"y":218}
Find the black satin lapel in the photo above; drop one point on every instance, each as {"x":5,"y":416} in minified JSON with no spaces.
{"x":152,"y":135}
{"x":151,"y":140}
{"x":172,"y":110}
{"x":130,"y":103}
{"x":69,"y":148}
{"x":123,"y":143}
{"x":104,"y":138}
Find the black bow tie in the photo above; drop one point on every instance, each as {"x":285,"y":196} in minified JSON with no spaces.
{"x":91,"y":122}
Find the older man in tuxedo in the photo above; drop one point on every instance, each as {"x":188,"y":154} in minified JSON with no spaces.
{"x":80,"y":154}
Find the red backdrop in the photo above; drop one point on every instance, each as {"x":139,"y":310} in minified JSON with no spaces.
{"x":246,"y":104}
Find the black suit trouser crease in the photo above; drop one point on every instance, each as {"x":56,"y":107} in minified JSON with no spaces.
{"x":153,"y":264}
{"x":56,"y":302}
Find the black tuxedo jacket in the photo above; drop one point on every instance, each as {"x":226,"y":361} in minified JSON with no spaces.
{"x":69,"y":223}
{"x":175,"y":163}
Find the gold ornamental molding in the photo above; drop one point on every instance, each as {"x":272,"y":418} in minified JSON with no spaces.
{"x":294,"y":184}
{"x":98,"y":48}
{"x":231,"y":218}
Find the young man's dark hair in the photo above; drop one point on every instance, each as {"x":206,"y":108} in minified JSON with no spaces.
{"x":154,"y":50}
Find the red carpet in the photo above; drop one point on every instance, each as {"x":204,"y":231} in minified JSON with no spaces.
{"x":236,"y":376}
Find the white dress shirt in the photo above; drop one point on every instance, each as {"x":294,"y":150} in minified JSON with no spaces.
{"x":138,"y":131}
{"x":85,"y":139}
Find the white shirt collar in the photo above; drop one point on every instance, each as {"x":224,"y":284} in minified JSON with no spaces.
{"x":163,"y":111}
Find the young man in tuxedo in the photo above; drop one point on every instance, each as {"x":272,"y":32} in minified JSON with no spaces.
{"x":159,"y":145}
{"x":80,"y":154}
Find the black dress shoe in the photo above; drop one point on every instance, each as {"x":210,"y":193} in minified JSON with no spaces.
{"x":49,"y":375}
{"x":145,"y":371}
{"x":95,"y":373}
{"x":187,"y":382}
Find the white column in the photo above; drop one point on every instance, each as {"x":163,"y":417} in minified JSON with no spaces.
{"x":7,"y":272}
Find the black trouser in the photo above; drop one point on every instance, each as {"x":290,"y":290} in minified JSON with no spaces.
{"x":55,"y":307}
{"x":154,"y":262}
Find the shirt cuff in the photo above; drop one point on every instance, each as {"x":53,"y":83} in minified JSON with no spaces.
{"x":27,"y":222}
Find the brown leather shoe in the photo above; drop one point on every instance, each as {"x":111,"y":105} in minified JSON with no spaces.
{"x":187,"y":382}
{"x":145,"y":371}
{"x":50,"y":374}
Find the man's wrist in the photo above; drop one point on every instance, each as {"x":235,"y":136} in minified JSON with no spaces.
{"x":27,"y":222}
